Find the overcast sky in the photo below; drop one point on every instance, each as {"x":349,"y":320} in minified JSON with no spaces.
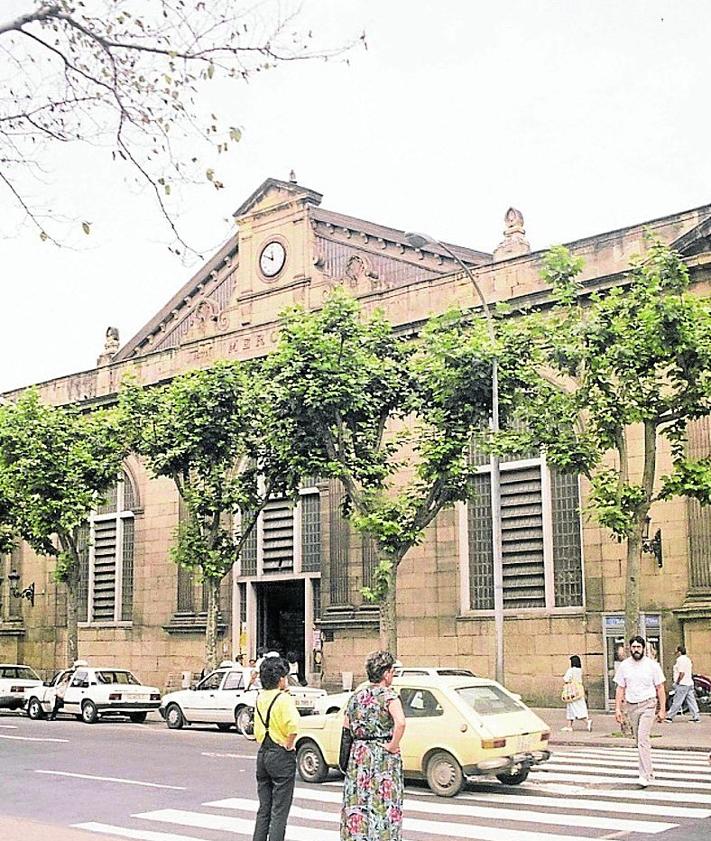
{"x":585,"y":115}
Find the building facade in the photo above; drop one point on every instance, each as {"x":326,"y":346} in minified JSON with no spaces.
{"x":299,"y":581}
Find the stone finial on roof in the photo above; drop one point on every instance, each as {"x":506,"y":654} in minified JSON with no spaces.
{"x":111,"y":346}
{"x":514,"y":242}
{"x":292,"y":176}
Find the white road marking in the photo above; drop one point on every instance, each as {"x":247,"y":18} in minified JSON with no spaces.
{"x":31,"y":738}
{"x":700,"y":768}
{"x":620,"y":780}
{"x":657,"y":754}
{"x":450,"y":829}
{"x":139,"y":834}
{"x":109,"y":779}
{"x":230,"y":755}
{"x":243,"y":826}
{"x":484,"y":812}
{"x":651,"y":793}
{"x":624,"y":772}
{"x":8,"y":726}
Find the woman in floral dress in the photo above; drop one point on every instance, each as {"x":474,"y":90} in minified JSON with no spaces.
{"x":373,"y":788}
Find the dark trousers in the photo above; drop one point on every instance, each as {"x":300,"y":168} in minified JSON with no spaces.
{"x":276,"y":767}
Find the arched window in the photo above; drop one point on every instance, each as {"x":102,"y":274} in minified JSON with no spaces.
{"x":106,"y":558}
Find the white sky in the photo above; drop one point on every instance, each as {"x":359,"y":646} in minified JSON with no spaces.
{"x":587,"y":116}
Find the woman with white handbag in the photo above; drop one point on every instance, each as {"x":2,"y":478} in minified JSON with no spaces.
{"x":573,"y":695}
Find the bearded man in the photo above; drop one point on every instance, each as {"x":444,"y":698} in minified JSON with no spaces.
{"x":640,"y":686}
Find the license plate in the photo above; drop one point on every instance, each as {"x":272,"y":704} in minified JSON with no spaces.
{"x":304,"y":705}
{"x":137,"y":698}
{"x":523,"y":743}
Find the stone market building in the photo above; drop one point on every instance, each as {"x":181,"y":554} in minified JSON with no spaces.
{"x":300,"y":579}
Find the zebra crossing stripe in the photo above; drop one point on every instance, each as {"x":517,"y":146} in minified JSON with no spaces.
{"x":138,"y":834}
{"x":619,"y":780}
{"x":653,"y":793}
{"x":625,"y":772}
{"x":681,"y":756}
{"x":698,"y":768}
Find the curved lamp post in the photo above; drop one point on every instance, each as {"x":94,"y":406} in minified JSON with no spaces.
{"x":418,"y":240}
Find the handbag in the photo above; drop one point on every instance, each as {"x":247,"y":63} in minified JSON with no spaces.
{"x":344,"y":753}
{"x":572,"y":691}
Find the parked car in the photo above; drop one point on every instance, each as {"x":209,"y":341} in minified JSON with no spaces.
{"x":334,"y":702}
{"x":224,"y":698}
{"x":95,"y":692}
{"x":39,"y":699}
{"x":457,"y":727}
{"x":14,"y":679}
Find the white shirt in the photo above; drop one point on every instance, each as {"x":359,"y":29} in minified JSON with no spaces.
{"x":640,"y":679}
{"x":683,"y":664}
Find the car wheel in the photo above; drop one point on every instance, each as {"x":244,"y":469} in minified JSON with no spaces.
{"x":89,"y":713}
{"x":34,"y":710}
{"x":310,"y":763}
{"x":513,"y":779}
{"x":137,"y":718}
{"x":174,"y":717}
{"x":444,"y":774}
{"x":224,"y":727}
{"x":244,"y":719}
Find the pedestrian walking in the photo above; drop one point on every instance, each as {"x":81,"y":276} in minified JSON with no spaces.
{"x":59,"y":692}
{"x":640,"y":687}
{"x":683,"y":687}
{"x":276,"y":723}
{"x":373,"y":786}
{"x":573,"y":695}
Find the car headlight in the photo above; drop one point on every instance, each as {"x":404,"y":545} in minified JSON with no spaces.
{"x":115,"y":696}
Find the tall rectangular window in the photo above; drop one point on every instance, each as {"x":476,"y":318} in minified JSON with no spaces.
{"x":699,"y":446}
{"x":310,"y":532}
{"x":540,"y":536}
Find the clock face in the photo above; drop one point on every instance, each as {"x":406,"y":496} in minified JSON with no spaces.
{"x":272,"y":259}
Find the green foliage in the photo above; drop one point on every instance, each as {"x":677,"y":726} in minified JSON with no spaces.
{"x":639,"y":353}
{"x":55,"y":464}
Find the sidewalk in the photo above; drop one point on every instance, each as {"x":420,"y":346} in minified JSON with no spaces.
{"x":681,"y":735}
{"x":19,"y":829}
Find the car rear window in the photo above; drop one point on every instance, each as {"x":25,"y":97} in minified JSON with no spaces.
{"x":105,"y":676}
{"x":455,"y":673}
{"x":489,"y":700}
{"x":25,"y":673}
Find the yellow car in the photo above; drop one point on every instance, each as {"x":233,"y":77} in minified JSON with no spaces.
{"x":457,"y":727}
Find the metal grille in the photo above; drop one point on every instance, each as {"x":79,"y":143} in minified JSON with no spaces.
{"x":699,"y":446}
{"x":337,"y":545}
{"x":522,"y":538}
{"x":242,"y":606}
{"x":316,"y":585}
{"x":129,"y":493}
{"x":83,"y":594}
{"x":311,"y":533}
{"x":104,"y":599}
{"x":369,"y":552}
{"x":481,"y":557}
{"x":186,"y":590}
{"x":567,"y":564}
{"x":248,"y":556}
{"x":278,"y":536}
{"x":127,"y":570}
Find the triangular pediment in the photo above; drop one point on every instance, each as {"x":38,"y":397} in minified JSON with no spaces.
{"x":272,"y":193}
{"x":695,"y":241}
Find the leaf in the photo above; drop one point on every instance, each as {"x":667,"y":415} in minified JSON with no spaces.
{"x":210,"y":174}
{"x":43,"y":236}
{"x":86,"y":227}
{"x":210,"y":71}
{"x":235,"y":134}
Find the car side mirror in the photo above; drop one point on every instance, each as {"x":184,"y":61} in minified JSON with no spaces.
{"x":46,"y":683}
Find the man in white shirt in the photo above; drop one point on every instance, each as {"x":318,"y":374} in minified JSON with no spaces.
{"x":640,"y":685}
{"x":683,"y":687}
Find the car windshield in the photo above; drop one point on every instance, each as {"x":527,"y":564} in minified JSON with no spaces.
{"x":26,"y":673}
{"x":455,"y":673}
{"x":105,"y":676}
{"x":489,"y":700}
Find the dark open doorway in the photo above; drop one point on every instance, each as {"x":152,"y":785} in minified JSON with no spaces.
{"x":280,"y":618}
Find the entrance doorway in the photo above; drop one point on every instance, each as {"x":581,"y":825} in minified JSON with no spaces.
{"x":281,"y":618}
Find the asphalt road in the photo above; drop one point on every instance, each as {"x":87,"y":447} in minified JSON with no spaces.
{"x":65,"y":780}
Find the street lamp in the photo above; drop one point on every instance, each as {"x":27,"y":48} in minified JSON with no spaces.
{"x":418,"y":240}
{"x":27,"y":593}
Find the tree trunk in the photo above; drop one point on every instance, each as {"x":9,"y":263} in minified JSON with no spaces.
{"x":634,"y":558}
{"x":213,"y":606}
{"x":72,"y":585}
{"x":388,"y":614}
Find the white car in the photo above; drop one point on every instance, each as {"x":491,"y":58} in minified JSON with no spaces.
{"x":95,"y":692}
{"x":226,"y":697}
{"x":14,"y":679}
{"x":39,"y":699}
{"x":337,"y":701}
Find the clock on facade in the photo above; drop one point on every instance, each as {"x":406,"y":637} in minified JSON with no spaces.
{"x":272,"y":258}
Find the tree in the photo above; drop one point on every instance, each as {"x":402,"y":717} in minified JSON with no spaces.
{"x":131,"y":77}
{"x":637,"y":357}
{"x":211,"y":432}
{"x":393,"y":419}
{"x":55,"y":466}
